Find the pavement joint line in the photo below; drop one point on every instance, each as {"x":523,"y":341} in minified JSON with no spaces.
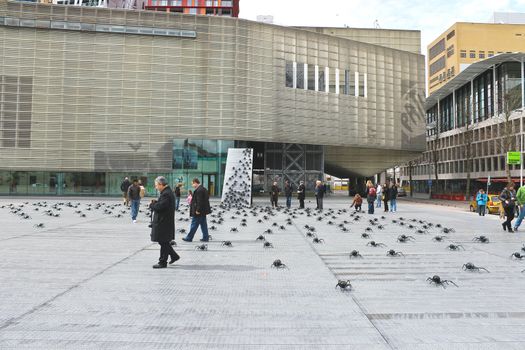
{"x":361,"y":308}
{"x":15,"y":320}
{"x":37,"y":233}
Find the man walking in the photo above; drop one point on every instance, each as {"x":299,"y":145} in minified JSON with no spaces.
{"x":163,"y":222}
{"x":134,"y":196}
{"x":177,"y":196}
{"x":124,"y":188}
{"x":199,"y":208}
{"x":301,"y":194}
{"x":520,"y":199}
{"x":288,"y":190}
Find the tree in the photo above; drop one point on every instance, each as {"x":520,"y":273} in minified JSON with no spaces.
{"x":468,"y":137}
{"x":511,"y":101}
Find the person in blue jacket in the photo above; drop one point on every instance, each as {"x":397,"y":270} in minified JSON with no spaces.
{"x":481,"y":199}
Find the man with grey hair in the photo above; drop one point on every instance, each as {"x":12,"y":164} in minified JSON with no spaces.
{"x":163,"y":222}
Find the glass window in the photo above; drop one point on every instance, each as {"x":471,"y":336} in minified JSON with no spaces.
{"x":331,"y":80}
{"x":300,"y":75}
{"x":289,"y":74}
{"x":322,"y":80}
{"x":362,"y":84}
{"x":463,"y":54}
{"x":343,"y":81}
{"x":482,"y":54}
{"x":311,"y":77}
{"x":472,"y":54}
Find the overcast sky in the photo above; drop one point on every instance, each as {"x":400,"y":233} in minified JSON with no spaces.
{"x":432,"y":17}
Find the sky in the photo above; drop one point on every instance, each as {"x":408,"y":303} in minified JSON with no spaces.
{"x":431,"y":17}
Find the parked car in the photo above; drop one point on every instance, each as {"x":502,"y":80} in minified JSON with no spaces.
{"x":493,"y":204}
{"x":401,"y":192}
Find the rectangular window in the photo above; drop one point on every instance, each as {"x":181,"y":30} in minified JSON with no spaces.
{"x":472,"y":54}
{"x":330,"y":80}
{"x":482,"y":54}
{"x":450,"y":50}
{"x":321,"y":81}
{"x":435,"y":50}
{"x":300,"y":75}
{"x":362,"y":85}
{"x":491,"y":53}
{"x":353,"y":78}
{"x":289,"y":74}
{"x":344,"y":81}
{"x":16,"y":111}
{"x":463,"y":54}
{"x":437,"y":66}
{"x":311,"y":77}
{"x":451,"y":35}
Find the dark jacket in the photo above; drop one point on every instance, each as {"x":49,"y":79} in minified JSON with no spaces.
{"x":134,"y":192}
{"x":163,"y":222}
{"x":392,"y":192}
{"x":319,"y":191}
{"x":509,"y":196}
{"x":301,"y":192}
{"x":125,"y":185}
{"x":200,"y":202}
{"x":288,"y":190}
{"x":177,"y":191}
{"x":275,"y":191}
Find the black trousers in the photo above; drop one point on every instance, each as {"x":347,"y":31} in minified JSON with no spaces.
{"x":386,"y":204}
{"x":166,"y":250}
{"x":301,"y":203}
{"x":274,"y":199}
{"x":509,"y":213}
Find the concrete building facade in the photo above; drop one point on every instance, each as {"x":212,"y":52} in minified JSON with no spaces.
{"x":92,"y":94}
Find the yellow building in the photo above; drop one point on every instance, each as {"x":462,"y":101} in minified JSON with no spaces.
{"x":466,"y":43}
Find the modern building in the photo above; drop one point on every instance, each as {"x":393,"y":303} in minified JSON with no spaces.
{"x":466,"y":43}
{"x":229,"y":8}
{"x":469,"y":119}
{"x":90,"y":95}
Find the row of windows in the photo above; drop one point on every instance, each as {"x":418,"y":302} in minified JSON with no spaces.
{"x":479,"y":54}
{"x":460,"y":166}
{"x":105,"y":28}
{"x":313,"y":77}
{"x":15,"y":111}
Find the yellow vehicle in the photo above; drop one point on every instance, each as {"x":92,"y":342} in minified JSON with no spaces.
{"x":493,"y":204}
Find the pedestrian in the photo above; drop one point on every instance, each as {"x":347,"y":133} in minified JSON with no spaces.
{"x":124,"y":188}
{"x":392,"y":195}
{"x":301,"y":194}
{"x":481,"y":200}
{"x":386,"y":196}
{"x":134,"y":197}
{"x":177,"y":196}
{"x":189,"y":198}
{"x":163,"y":222}
{"x":508,"y":200}
{"x":358,"y":201}
{"x":288,"y":190}
{"x":319,"y":194}
{"x":371,"y":196}
{"x":379,"y":191}
{"x":520,"y":199}
{"x":274,"y":195}
{"x":199,"y":208}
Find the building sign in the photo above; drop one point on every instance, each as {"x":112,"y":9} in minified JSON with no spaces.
{"x":513,"y":158}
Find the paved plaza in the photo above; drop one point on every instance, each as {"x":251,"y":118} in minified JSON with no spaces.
{"x":87,"y":282}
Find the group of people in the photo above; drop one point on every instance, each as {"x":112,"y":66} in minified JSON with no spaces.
{"x":301,"y":194}
{"x":375,"y":194}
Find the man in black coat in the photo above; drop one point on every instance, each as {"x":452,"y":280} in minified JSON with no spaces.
{"x":163,"y":222}
{"x":301,"y":194}
{"x":124,"y":188}
{"x":288,"y":190}
{"x":199,"y":208}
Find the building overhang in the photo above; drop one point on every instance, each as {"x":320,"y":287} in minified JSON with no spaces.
{"x":470,"y":73}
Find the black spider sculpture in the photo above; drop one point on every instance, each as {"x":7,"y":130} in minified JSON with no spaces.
{"x":278,"y":264}
{"x":41,"y":225}
{"x":365,"y":235}
{"x":267,"y":245}
{"x":438,"y":225}
{"x":438,"y":238}
{"x":439,"y":282}
{"x":355,"y":254}
{"x":318,"y":240}
{"x":182,"y":231}
{"x":202,"y":247}
{"x":260,"y":221}
{"x":404,"y":238}
{"x":234,"y":229}
{"x":375,"y":244}
{"x":392,"y":252}
{"x":421,"y":232}
{"x":306,"y":227}
{"x":173,"y":243}
{"x":369,"y":229}
{"x":282,"y":228}
{"x":310,"y":234}
{"x":344,"y":229}
{"x":381,"y":227}
{"x":447,"y":230}
{"x":268,"y":231}
{"x":481,"y":239}
{"x":243,"y":224}
{"x":213,"y":228}
{"x":471,"y":267}
{"x":455,"y":247}
{"x":344,"y":285}
{"x":227,"y":244}
{"x":517,"y":255}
